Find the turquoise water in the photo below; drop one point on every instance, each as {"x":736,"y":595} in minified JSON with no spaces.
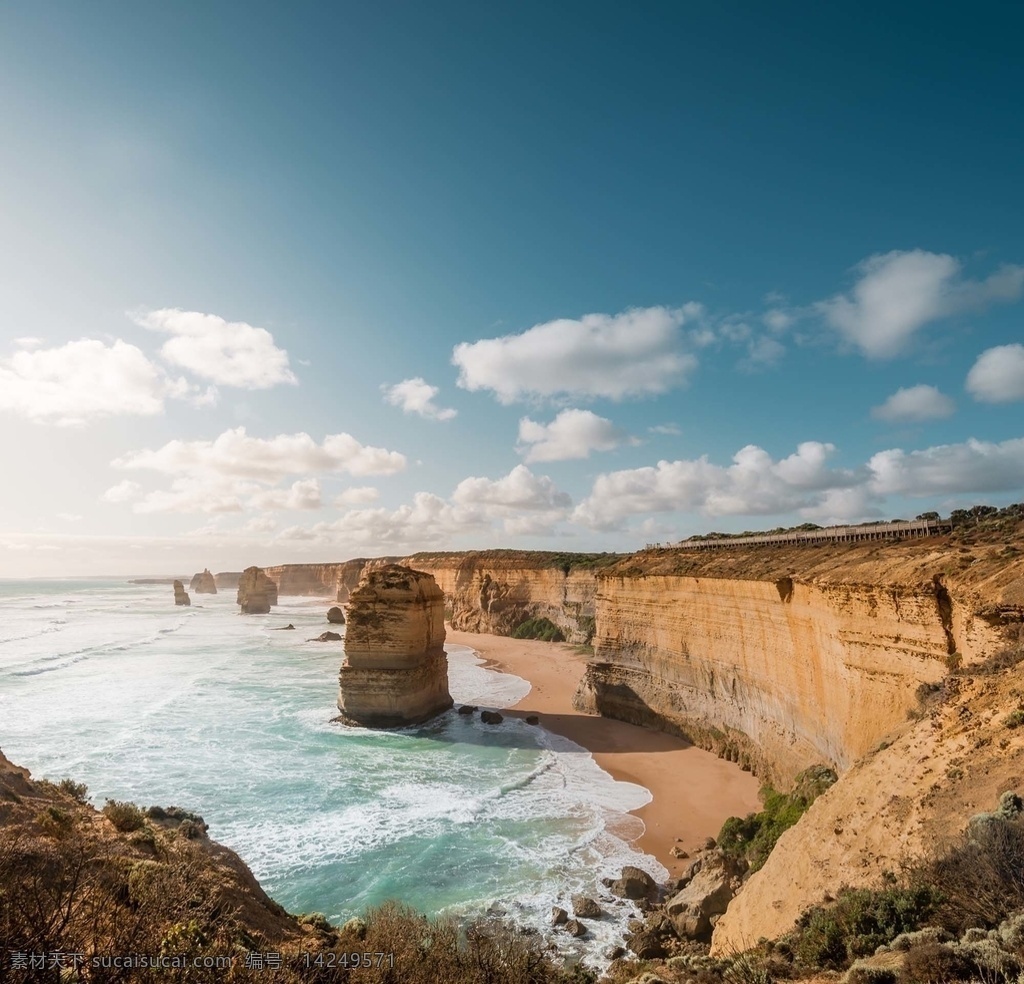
{"x":200,"y":707}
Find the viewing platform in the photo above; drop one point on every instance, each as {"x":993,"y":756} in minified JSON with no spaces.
{"x":829,"y":534}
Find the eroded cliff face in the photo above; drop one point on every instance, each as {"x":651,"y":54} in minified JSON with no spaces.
{"x":315,"y":579}
{"x":395,"y":671}
{"x":495,"y":591}
{"x":788,"y":658}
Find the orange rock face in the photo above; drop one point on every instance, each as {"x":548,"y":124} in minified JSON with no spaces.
{"x":395,"y":671}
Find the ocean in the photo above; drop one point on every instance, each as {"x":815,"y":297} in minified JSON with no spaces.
{"x":111,"y":684}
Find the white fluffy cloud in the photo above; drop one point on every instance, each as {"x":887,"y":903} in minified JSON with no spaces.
{"x":754,"y":484}
{"x":122,"y":492}
{"x":521,"y":503}
{"x":635,"y":353}
{"x":234,"y":453}
{"x":359,"y":495}
{"x":84,"y":380}
{"x":417,"y":396}
{"x":520,"y":489}
{"x":915,"y":403}
{"x":998,"y":375}
{"x":231,"y":353}
{"x":973,"y":466}
{"x":572,"y":434}
{"x":900,"y":292}
{"x":303,"y":494}
{"x":428,"y":521}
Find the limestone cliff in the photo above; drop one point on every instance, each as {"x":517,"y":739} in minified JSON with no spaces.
{"x":203,"y":583}
{"x":497,"y":590}
{"x":788,"y":658}
{"x":256,"y":592}
{"x":180,"y":594}
{"x":395,"y":671}
{"x":314,"y":579}
{"x":784,"y":658}
{"x":227,"y":580}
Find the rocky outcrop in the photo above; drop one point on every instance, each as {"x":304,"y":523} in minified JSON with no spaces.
{"x":395,"y":671}
{"x":712,"y":882}
{"x":203,"y":583}
{"x":180,"y":594}
{"x":256,"y":592}
{"x":335,"y":616}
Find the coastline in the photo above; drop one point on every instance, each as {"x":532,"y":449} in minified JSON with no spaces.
{"x":693,"y":790}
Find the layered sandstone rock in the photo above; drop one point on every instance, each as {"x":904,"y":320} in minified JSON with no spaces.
{"x":180,"y":594}
{"x":256,"y":592}
{"x":203,"y":583}
{"x":395,"y":671}
{"x":305,"y":579}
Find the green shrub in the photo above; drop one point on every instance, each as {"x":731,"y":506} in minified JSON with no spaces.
{"x":753,"y":837}
{"x":539,"y":628}
{"x":55,"y":821}
{"x":1015,"y":718}
{"x":859,"y":922}
{"x":124,"y":816}
{"x":76,"y":790}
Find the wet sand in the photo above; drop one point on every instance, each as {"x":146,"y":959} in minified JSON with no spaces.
{"x":693,"y":790}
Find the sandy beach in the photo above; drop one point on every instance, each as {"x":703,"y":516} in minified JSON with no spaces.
{"x":693,"y":790}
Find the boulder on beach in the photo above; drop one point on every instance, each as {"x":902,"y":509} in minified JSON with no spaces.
{"x":532,"y":719}
{"x":335,"y":616}
{"x":180,"y":594}
{"x":634,"y":883}
{"x":584,"y":907}
{"x":575,"y":928}
{"x":714,"y":881}
{"x":468,"y":709}
{"x":491,"y":717}
{"x":559,"y":917}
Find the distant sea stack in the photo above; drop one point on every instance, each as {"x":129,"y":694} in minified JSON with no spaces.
{"x":203,"y":583}
{"x":256,"y":592}
{"x":335,"y":616}
{"x":395,"y":671}
{"x":180,"y":594}
{"x":227,"y":580}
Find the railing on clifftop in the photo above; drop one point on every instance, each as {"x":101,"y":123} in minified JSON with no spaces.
{"x":828,"y":534}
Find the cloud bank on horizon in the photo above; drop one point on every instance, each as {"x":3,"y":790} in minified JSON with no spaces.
{"x":637,"y":355}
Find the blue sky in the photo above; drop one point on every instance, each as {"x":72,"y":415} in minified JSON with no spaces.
{"x":674,"y":267}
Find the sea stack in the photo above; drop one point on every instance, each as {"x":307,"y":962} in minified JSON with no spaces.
{"x":395,"y":671}
{"x":256,"y":592}
{"x":203,"y":583}
{"x":180,"y":594}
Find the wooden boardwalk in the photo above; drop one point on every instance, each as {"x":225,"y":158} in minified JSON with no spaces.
{"x":828,"y":534}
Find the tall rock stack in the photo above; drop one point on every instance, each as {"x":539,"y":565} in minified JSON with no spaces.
{"x":203,"y":583}
{"x":180,"y":594}
{"x":256,"y":592}
{"x":395,"y":671}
